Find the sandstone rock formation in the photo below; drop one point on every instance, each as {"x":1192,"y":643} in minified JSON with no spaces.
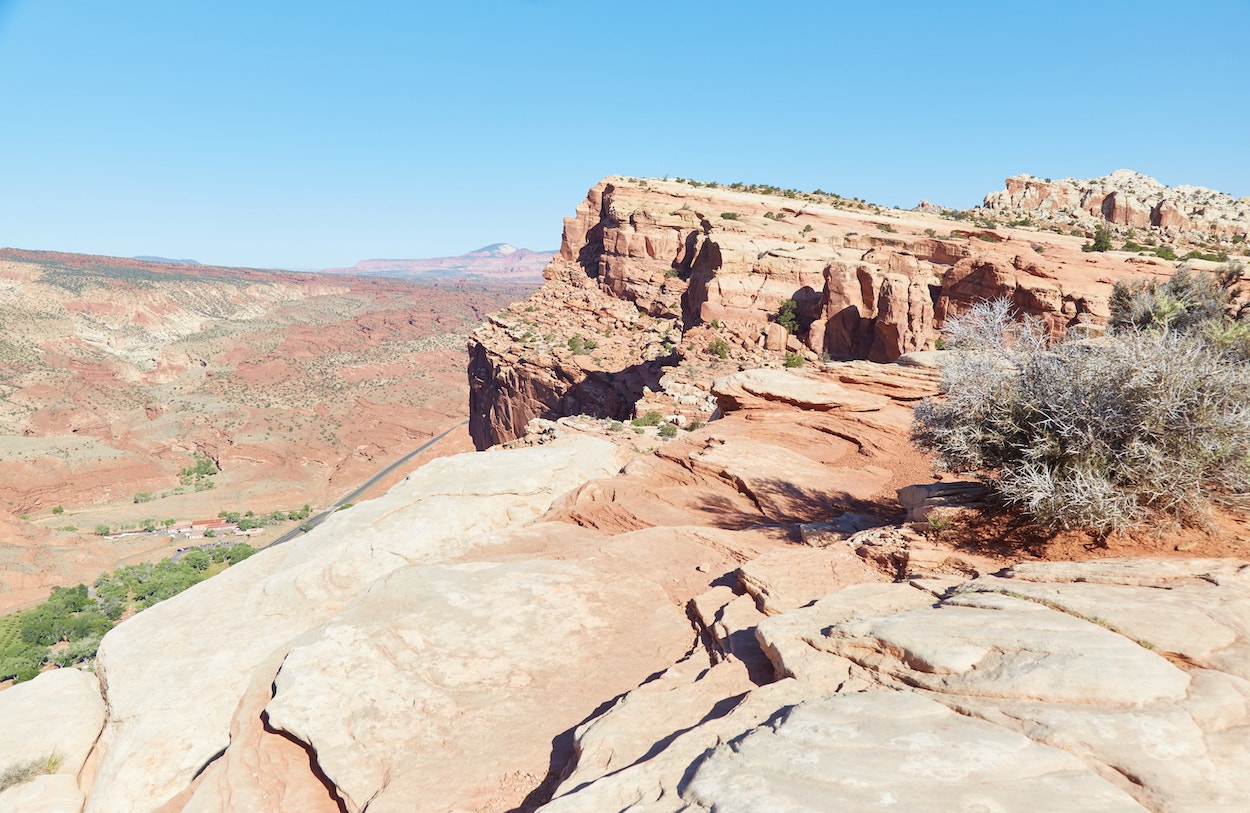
{"x":1124,"y":198}
{"x":888,"y":700}
{"x":659,"y":287}
{"x":53,"y":720}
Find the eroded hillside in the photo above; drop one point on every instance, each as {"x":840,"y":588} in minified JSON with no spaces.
{"x":115,"y":374}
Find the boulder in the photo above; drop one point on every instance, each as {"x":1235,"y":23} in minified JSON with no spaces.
{"x":770,"y":388}
{"x":787,"y":578}
{"x":922,"y":499}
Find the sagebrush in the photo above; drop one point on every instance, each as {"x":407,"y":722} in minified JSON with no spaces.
{"x":1142,"y":425}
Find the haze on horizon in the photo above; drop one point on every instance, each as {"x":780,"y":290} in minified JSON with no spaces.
{"x":312,"y":134}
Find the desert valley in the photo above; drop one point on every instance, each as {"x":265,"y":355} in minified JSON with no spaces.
{"x":117,"y":375}
{"x":679,"y":551}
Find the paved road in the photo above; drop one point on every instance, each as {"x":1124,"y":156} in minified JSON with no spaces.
{"x":355,"y":495}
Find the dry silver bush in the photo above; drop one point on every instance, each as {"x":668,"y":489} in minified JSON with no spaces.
{"x":1104,"y":434}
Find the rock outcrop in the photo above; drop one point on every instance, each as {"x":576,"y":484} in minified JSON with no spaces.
{"x":1005,"y":688}
{"x":659,"y":287}
{"x":1124,"y":198}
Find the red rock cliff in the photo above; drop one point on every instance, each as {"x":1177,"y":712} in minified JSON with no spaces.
{"x":659,"y":286}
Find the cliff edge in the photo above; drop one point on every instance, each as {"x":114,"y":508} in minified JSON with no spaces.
{"x":660,"y":286}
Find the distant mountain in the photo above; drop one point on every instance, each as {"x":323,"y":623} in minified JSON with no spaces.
{"x":497,"y":260}
{"x":168,"y":261}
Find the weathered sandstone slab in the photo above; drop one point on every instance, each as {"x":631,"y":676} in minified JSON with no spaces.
{"x":787,"y":578}
{"x":59,"y":712}
{"x":887,"y":751}
{"x":174,"y":673}
{"x":764,"y":388}
{"x":406,"y":695}
{"x":51,"y":793}
{"x":904,"y":700}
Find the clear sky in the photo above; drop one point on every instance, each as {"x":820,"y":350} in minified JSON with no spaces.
{"x":310,"y":134}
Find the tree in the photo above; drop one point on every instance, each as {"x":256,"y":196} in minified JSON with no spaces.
{"x":197,"y":560}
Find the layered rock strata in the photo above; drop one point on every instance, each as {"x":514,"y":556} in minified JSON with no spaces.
{"x":659,"y":287}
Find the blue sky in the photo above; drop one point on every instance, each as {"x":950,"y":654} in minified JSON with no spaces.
{"x":311,"y":134}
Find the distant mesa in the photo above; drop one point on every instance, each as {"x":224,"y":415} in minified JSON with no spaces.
{"x":498,"y":260}
{"x":147,"y":258}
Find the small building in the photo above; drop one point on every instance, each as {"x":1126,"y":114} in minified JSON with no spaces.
{"x":201,"y":527}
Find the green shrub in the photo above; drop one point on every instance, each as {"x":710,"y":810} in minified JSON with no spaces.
{"x":886,"y":227}
{"x":1102,"y":240}
{"x":1165,"y":253}
{"x":668,"y":430}
{"x":719,"y":347}
{"x":650,"y":419}
{"x":695,"y":424}
{"x":1106,"y":435}
{"x":1210,"y":256}
{"x":729,"y":215}
{"x":58,"y":510}
{"x":788,"y":316}
{"x":794,"y":359}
